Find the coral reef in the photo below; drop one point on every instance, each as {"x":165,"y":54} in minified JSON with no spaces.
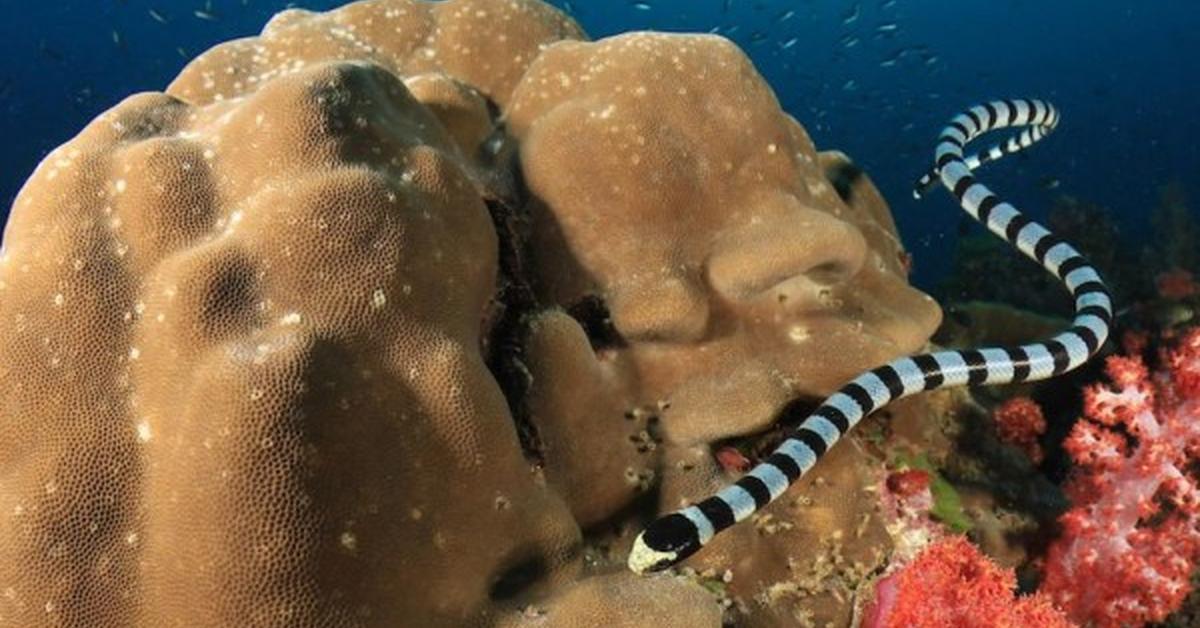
{"x":737,"y":269}
{"x":1132,"y":532}
{"x":986,"y":270}
{"x":484,"y":44}
{"x":241,"y":388}
{"x":1019,"y":422}
{"x":951,"y":584}
{"x":1176,"y":231}
{"x":247,"y":375}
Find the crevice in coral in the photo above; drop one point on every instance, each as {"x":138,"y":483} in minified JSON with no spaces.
{"x":843,"y":177}
{"x":504,"y":323}
{"x":591,"y":312}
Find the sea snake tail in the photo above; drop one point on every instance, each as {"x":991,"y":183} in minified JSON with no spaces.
{"x":674,"y":537}
{"x":1016,"y":143}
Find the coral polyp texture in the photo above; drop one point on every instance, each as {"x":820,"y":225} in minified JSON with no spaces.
{"x":487,"y":44}
{"x":237,"y":366}
{"x":667,"y":180}
{"x":255,"y":323}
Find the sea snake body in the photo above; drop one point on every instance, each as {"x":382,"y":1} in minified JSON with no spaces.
{"x":673,"y":537}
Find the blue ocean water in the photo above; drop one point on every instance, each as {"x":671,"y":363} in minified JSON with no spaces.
{"x":876,"y":79}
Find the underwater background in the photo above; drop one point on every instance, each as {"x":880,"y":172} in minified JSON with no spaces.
{"x":875,"y":79}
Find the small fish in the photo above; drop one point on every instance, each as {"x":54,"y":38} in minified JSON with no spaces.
{"x":887,"y":4}
{"x":849,"y":41}
{"x":850,"y":85}
{"x":205,"y":15}
{"x":1049,"y":183}
{"x":182,"y":53}
{"x":158,"y":17}
{"x":116,"y":39}
{"x":642,"y":6}
{"x":890,"y":27}
{"x":851,"y":16}
{"x":894,"y":59}
{"x":785,"y":16}
{"x":758,"y":37}
{"x":789,"y":43}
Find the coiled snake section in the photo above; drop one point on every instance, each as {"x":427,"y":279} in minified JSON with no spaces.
{"x":674,"y":537}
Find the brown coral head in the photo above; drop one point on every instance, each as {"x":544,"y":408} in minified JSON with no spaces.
{"x":667,"y":179}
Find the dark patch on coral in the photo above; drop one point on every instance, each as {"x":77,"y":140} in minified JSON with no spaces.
{"x":504,"y":322}
{"x":591,"y":312}
{"x":518,"y":578}
{"x":844,"y":176}
{"x":642,"y":509}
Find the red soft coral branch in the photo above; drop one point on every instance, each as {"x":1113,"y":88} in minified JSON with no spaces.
{"x":1019,"y":422}
{"x":951,"y":584}
{"x":1131,"y":541}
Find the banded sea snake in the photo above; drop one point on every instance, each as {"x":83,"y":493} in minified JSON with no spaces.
{"x":675,"y":536}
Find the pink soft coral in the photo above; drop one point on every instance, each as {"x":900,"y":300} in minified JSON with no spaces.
{"x":951,"y":584}
{"x":1132,"y":540}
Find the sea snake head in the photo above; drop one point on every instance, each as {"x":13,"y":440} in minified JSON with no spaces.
{"x":664,"y":543}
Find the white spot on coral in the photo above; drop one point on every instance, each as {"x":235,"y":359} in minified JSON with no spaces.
{"x":120,"y":185}
{"x":349,"y":541}
{"x":234,"y":219}
{"x":134,"y":353}
{"x":798,"y":333}
{"x":143,"y":431}
{"x":292,"y":318}
{"x":378,"y":299}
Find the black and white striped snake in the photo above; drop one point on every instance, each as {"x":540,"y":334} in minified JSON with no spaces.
{"x":674,"y":537}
